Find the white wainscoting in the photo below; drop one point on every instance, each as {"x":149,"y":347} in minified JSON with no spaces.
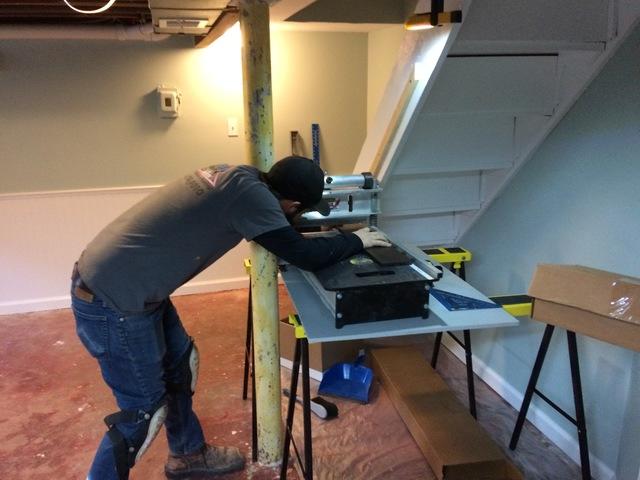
{"x":43,"y":233}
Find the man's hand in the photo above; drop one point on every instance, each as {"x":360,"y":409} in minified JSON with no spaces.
{"x":372,"y":238}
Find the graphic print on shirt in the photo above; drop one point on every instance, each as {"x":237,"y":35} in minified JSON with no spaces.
{"x":211,"y":174}
{"x":204,"y":178}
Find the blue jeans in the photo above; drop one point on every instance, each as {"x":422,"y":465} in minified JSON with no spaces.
{"x":138,"y":355}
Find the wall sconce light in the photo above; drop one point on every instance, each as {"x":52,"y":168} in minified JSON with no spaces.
{"x":435,"y":18}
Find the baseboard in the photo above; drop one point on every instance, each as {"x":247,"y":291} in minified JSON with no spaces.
{"x":206,"y":286}
{"x":64,"y":301}
{"x":542,"y":421}
{"x":35,"y":305}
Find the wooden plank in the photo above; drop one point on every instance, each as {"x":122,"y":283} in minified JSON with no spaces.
{"x":453,"y":443}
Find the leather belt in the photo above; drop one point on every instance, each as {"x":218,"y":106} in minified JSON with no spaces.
{"x":80,"y":289}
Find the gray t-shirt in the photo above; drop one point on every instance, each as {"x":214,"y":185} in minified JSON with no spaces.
{"x":176,"y":232}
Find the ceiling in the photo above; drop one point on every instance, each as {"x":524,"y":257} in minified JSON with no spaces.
{"x":55,"y":12}
{"x":305,"y":14}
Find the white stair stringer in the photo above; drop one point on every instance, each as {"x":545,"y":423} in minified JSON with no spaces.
{"x":404,"y":95}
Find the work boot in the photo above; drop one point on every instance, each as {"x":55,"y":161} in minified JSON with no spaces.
{"x":208,"y":461}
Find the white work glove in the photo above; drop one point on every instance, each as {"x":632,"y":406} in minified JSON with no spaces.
{"x":372,"y":238}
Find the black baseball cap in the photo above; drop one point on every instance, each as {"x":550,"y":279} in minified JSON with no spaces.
{"x":300,"y":179}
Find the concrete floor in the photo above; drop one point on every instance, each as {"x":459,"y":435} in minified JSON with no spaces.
{"x":52,"y":401}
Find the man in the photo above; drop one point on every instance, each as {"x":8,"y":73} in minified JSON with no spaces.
{"x":124,"y":317}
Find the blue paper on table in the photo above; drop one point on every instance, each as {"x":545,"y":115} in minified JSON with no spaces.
{"x":347,"y":380}
{"x":454,"y":301}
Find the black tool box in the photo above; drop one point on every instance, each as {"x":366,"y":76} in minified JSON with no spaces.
{"x":359,"y":289}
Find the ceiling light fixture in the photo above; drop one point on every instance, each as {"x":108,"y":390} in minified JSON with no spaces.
{"x":435,"y":18}
{"x":105,"y":7}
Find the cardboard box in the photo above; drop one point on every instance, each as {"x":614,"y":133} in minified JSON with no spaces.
{"x":602,"y":305}
{"x":454,"y":444}
{"x":321,"y":355}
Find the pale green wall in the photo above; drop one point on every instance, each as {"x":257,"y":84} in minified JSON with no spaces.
{"x":322,"y":78}
{"x":82,"y":114}
{"x":577,"y":201}
{"x":384,"y":44}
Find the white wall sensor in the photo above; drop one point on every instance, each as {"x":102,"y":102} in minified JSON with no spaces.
{"x":169,"y":102}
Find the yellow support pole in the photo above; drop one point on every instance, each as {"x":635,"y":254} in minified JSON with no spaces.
{"x":258,"y":123}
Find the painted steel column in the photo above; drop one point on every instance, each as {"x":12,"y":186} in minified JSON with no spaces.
{"x":258,"y":123}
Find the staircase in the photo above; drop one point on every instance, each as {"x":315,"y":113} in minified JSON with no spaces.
{"x":509,"y":74}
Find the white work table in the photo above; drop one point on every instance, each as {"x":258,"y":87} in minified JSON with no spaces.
{"x":319,"y":321}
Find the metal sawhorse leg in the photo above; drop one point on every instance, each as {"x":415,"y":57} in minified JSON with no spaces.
{"x":579,"y":421}
{"x":249,"y":362}
{"x":457,"y":257}
{"x":300,"y":356}
{"x":469,"y":361}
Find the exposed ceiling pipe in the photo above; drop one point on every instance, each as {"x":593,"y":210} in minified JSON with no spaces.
{"x":81,"y":32}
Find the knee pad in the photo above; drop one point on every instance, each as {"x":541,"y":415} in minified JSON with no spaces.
{"x":128,"y":450}
{"x":186,"y":372}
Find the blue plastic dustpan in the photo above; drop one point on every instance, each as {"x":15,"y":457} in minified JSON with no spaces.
{"x":347,"y":380}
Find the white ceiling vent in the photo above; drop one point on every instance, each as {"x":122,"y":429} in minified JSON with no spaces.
{"x":182,"y":25}
{"x":191,"y":17}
